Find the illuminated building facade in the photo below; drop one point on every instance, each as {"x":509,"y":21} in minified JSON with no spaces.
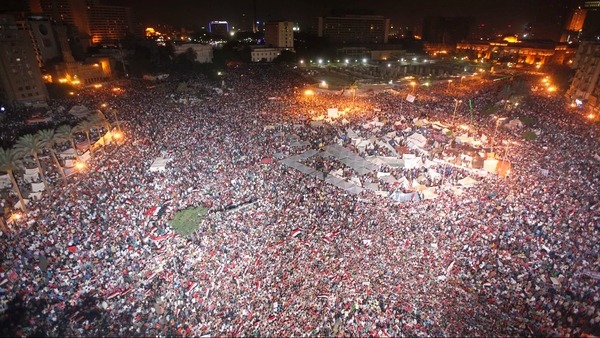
{"x":43,"y":38}
{"x":585,"y":86}
{"x":109,"y":23}
{"x":95,"y":22}
{"x":520,"y":52}
{"x":20,"y":77}
{"x":279,"y":34}
{"x":574,"y":26}
{"x":220,"y":28}
{"x":352,"y":29}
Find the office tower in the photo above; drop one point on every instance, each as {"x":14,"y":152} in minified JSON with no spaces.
{"x":109,"y":23}
{"x":574,"y":26}
{"x":20,"y":77}
{"x":591,"y":26}
{"x":219,"y":28}
{"x":446,"y":30}
{"x":279,"y":34}
{"x":94,"y":22}
{"x":352,"y":29}
{"x":585,"y":86}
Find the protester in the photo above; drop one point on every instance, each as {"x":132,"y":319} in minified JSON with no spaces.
{"x":282,"y":253}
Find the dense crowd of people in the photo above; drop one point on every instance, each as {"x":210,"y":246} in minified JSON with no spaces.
{"x":297,"y":256}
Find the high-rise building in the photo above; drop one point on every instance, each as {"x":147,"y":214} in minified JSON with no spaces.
{"x":585,"y":86}
{"x":591,"y":26}
{"x":73,"y":12}
{"x":220,"y":28}
{"x":446,"y":30}
{"x":43,"y":38}
{"x":94,"y":21}
{"x":574,"y":26}
{"x":109,"y":23}
{"x":279,"y":34}
{"x":20,"y":76}
{"x":352,"y":29}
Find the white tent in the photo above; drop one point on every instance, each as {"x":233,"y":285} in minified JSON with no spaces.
{"x":467,"y":182}
{"x":159,"y":164}
{"x":429,"y":194}
{"x":411,"y":161}
{"x":69,"y":153}
{"x":332,"y":113}
{"x":32,"y":171}
{"x":30,"y":177}
{"x":433,"y":174}
{"x":5,"y":181}
{"x":35,"y":195}
{"x":516,"y":123}
{"x":79,"y":111}
{"x":18,"y":205}
{"x":490,"y":165}
{"x":37,"y":187}
{"x":85,"y":156}
{"x":416,"y":140}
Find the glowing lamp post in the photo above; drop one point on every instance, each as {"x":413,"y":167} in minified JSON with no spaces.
{"x":455,"y":107}
{"x":498,"y":120}
{"x":80,"y":166}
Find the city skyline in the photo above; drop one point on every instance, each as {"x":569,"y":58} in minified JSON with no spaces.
{"x":510,"y":14}
{"x":546,"y":18}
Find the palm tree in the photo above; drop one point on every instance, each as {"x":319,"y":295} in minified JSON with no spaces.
{"x":85,"y":126}
{"x":66,"y":133}
{"x":10,"y":161}
{"x":100,"y":121}
{"x":49,"y":140}
{"x":32,"y":145}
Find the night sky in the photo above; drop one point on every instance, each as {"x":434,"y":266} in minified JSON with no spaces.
{"x":510,"y":16}
{"x":401,"y":12}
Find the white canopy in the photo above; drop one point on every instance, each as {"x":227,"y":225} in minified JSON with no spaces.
{"x":416,"y":140}
{"x":159,"y":164}
{"x":5,"y":181}
{"x":79,"y":111}
{"x":467,"y":182}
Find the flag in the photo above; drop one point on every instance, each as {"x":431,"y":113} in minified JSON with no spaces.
{"x":72,"y":248}
{"x":113,"y":294}
{"x":192,"y":287}
{"x":410,"y":98}
{"x":296,"y":232}
{"x":471,"y":109}
{"x":151,"y":211}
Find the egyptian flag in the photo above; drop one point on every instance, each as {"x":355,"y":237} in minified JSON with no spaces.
{"x":159,"y":238}
{"x":12,"y":276}
{"x":192,"y":287}
{"x":72,"y":248}
{"x":113,"y":294}
{"x":152,"y":211}
{"x":296,"y":232}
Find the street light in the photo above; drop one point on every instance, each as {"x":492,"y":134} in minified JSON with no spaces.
{"x":114,"y":111}
{"x":449,"y":83}
{"x":413,"y":84}
{"x":504,"y":161}
{"x":498,"y":120}
{"x":80,"y":165}
{"x":455,"y":107}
